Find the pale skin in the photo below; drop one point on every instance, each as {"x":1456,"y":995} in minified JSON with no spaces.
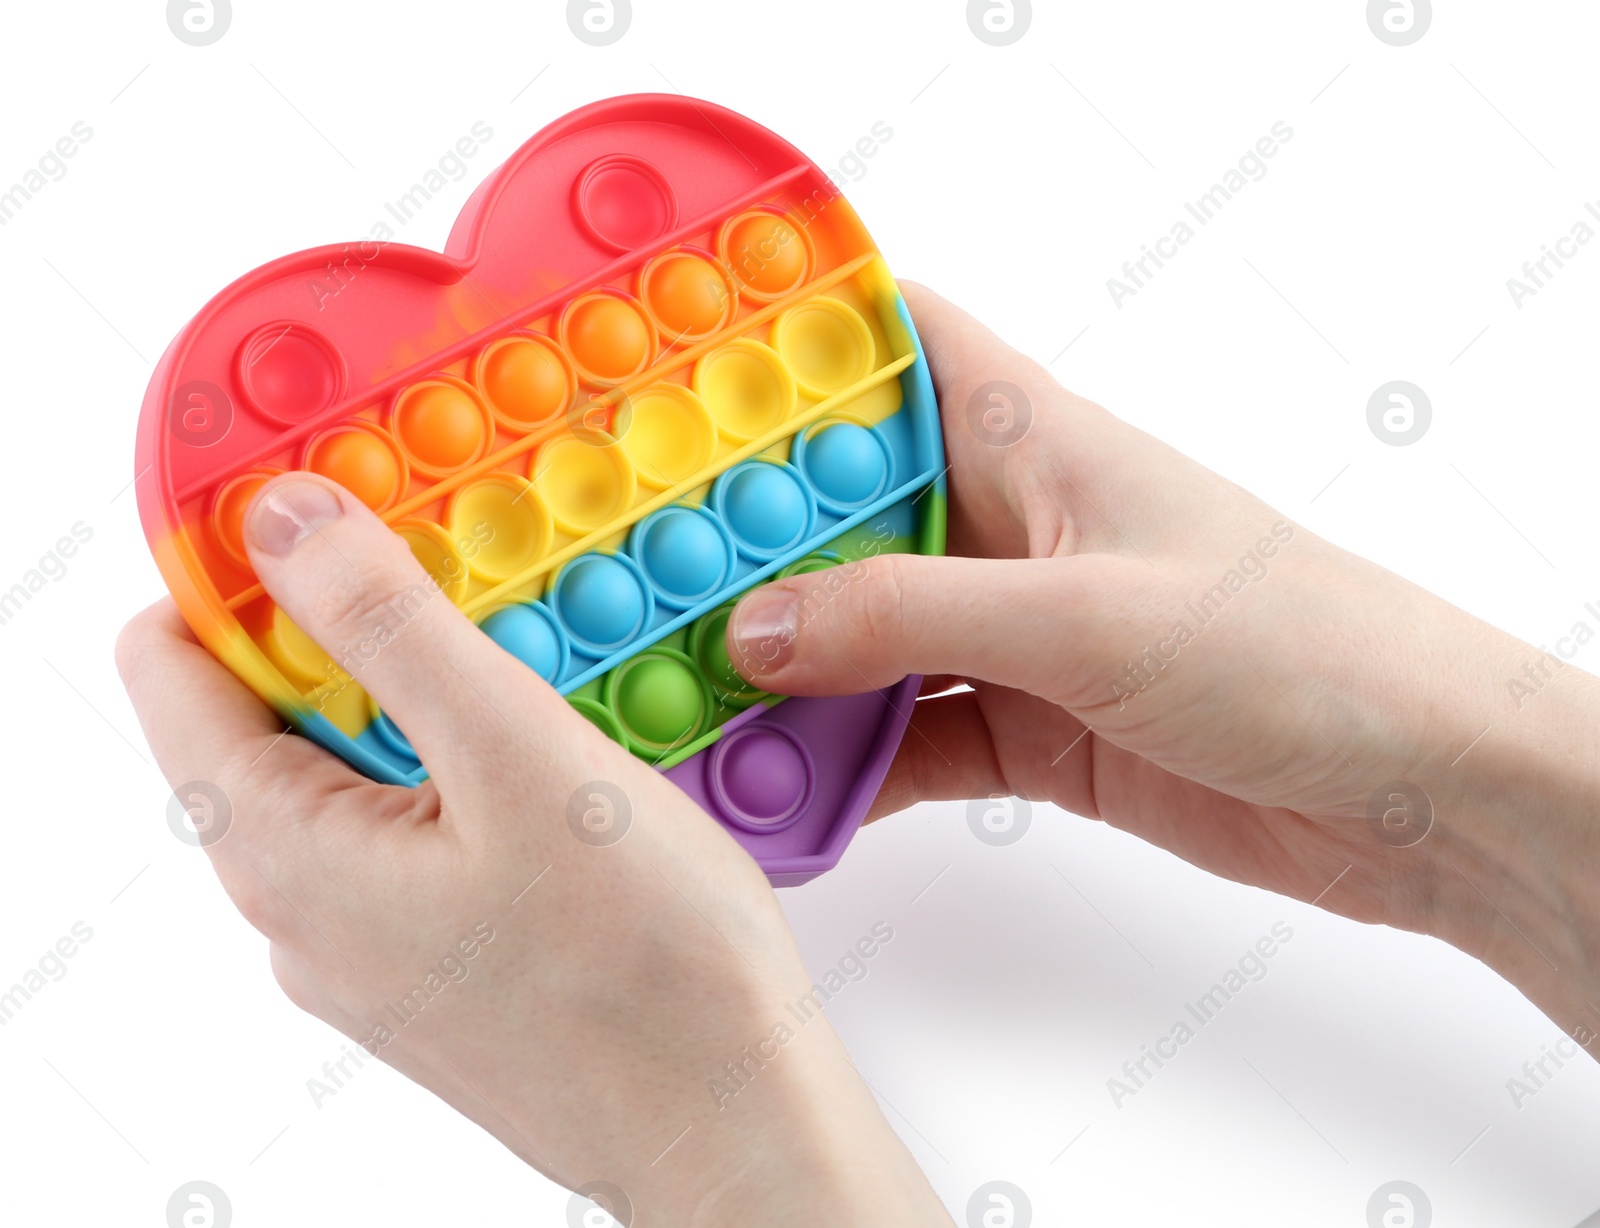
{"x":619,"y":984}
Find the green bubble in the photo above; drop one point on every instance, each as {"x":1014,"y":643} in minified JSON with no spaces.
{"x":599,"y":716}
{"x":714,"y":653}
{"x":660,"y":700}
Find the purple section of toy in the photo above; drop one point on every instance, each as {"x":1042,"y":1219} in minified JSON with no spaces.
{"x":791,"y":783}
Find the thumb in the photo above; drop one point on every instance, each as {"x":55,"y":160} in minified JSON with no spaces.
{"x":1037,"y":625}
{"x":350,"y":584}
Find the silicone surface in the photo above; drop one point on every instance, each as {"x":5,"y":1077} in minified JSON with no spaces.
{"x":659,"y":363}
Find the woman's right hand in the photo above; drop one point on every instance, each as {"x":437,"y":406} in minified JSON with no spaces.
{"x":1150,"y":645}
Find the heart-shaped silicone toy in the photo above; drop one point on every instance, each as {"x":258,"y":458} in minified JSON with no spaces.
{"x":659,"y":363}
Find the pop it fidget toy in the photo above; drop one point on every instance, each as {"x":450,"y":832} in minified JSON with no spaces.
{"x":659,"y":363}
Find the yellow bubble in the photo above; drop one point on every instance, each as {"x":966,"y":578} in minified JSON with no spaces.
{"x":746,"y":387}
{"x":670,"y":435}
{"x":586,"y":481}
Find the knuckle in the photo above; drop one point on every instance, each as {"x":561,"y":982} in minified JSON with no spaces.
{"x":881,"y":611}
{"x":133,"y":645}
{"x":292,"y":978}
{"x":264,"y":859}
{"x":366,"y":601}
{"x":256,"y":882}
{"x":254,"y":900}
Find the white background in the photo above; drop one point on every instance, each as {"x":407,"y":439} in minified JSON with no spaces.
{"x":1017,"y":181}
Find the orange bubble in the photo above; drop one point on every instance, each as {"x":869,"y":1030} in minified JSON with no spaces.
{"x":362,"y":459}
{"x":441,"y":426}
{"x":526,"y":378}
{"x":229,"y":508}
{"x":766,"y":253}
{"x":608,"y":336}
{"x":689,"y":296}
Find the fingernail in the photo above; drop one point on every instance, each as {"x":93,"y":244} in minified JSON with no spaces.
{"x":762,"y":630}
{"x":286,"y":515}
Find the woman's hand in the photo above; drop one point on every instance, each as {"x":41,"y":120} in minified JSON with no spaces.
{"x":547,"y":934}
{"x":1150,"y":645}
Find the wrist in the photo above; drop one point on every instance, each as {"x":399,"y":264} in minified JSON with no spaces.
{"x":790,"y":1136}
{"x":1512,"y":870}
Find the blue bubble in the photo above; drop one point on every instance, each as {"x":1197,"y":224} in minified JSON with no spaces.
{"x":389,"y":735}
{"x":846,"y":463}
{"x":528,"y":634}
{"x":766,"y":506}
{"x":684,"y":552}
{"x":602,"y":600}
